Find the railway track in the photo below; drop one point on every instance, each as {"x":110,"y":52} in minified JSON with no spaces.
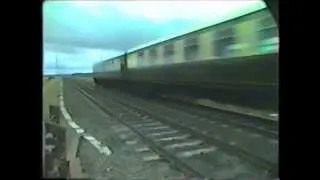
{"x":253,"y":135}
{"x":258,"y":125}
{"x":189,"y":146}
{"x":265,"y":127}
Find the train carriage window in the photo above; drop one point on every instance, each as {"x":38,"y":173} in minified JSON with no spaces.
{"x":223,"y":40}
{"x":267,"y":22}
{"x":153,"y":54}
{"x":114,"y":64}
{"x":191,"y":41}
{"x":267,"y":35}
{"x":267,"y":28}
{"x":140,"y":57}
{"x":191,"y":48}
{"x":168,"y":52}
{"x":226,"y":33}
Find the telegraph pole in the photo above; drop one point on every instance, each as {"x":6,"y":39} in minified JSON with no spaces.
{"x":57,"y":67}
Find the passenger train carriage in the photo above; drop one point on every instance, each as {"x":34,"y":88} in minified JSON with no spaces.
{"x":238,"y":53}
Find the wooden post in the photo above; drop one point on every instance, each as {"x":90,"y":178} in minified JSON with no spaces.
{"x":54,"y":114}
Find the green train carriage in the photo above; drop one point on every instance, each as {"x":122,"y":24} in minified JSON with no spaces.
{"x":238,"y":55}
{"x":241,"y":51}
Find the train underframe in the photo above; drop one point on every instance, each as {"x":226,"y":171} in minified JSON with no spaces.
{"x":266,"y":98}
{"x":225,"y":81}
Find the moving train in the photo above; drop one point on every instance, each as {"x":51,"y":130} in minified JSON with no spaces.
{"x":240,"y":53}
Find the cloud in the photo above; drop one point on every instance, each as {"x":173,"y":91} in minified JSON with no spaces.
{"x":72,"y":29}
{"x":107,"y":41}
{"x":59,"y":48}
{"x":81,"y":60}
{"x":124,"y":24}
{"x":163,"y":11}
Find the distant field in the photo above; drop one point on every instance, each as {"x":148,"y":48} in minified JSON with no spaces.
{"x":82,"y":74}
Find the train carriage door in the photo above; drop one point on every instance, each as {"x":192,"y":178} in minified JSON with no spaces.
{"x":123,"y":65}
{"x":267,"y":35}
{"x":191,"y":49}
{"x":152,"y":56}
{"x":224,"y":42}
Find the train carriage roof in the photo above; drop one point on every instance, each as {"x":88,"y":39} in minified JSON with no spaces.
{"x":273,"y":7}
{"x":228,"y":17}
{"x":103,"y":62}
